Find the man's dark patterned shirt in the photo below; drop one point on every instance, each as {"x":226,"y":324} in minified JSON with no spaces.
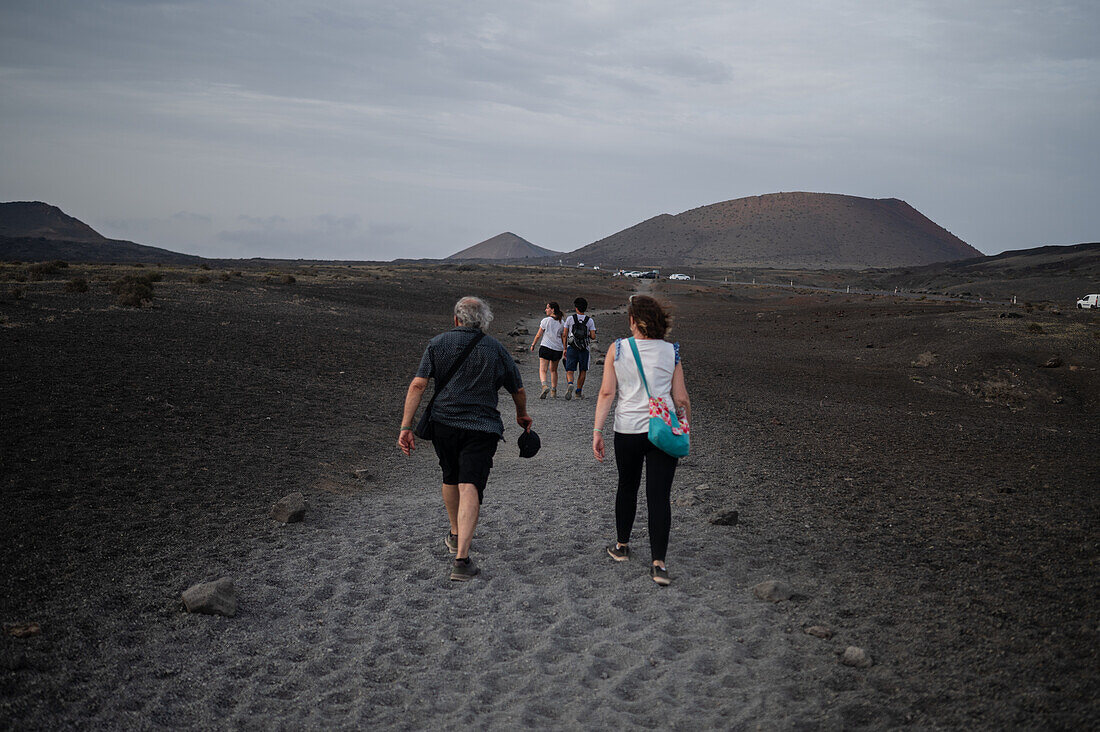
{"x":469,"y":400}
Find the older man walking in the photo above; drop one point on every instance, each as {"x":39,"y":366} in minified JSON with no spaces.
{"x":464,"y":414}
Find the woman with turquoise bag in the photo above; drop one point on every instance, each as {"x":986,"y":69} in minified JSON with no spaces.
{"x":636,"y":369}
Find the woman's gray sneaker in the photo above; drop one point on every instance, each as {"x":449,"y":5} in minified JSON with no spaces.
{"x":462,"y":571}
{"x":659,"y":575}
{"x":452,"y":542}
{"x":619,"y":553}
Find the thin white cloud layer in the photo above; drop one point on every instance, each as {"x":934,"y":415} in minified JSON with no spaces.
{"x":371,"y":130}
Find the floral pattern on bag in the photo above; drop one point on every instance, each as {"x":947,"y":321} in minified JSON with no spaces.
{"x":659,"y":409}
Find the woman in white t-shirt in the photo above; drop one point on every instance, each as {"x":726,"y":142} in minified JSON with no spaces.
{"x":649,"y":323}
{"x":551,"y":342}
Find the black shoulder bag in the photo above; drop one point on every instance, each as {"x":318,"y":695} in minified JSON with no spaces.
{"x":425,"y":428}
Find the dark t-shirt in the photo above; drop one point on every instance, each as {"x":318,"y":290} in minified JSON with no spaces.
{"x":469,"y":400}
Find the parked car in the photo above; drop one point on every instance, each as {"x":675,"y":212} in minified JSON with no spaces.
{"x":678,"y":277}
{"x":650,"y":275}
{"x":1088,"y":301}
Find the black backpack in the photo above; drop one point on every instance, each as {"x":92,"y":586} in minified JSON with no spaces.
{"x":578,"y":333}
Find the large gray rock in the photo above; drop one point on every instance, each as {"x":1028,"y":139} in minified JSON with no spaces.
{"x":773,"y":591}
{"x":212,"y":598}
{"x":289,"y":509}
{"x":857,"y":657}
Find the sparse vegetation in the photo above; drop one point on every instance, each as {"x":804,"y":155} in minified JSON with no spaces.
{"x":1034,"y":328}
{"x":134,"y":290}
{"x":18,"y":293}
{"x":39,"y":270}
{"x":78,"y":284}
{"x":199,"y":279}
{"x":288,"y":279}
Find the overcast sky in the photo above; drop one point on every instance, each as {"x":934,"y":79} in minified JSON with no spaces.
{"x":376,"y":130}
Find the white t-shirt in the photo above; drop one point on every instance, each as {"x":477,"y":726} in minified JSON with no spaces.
{"x":579,"y":319}
{"x":551,"y":333}
{"x":659,"y":359}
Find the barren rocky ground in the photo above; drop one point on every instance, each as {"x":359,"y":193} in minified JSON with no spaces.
{"x":922,"y":474}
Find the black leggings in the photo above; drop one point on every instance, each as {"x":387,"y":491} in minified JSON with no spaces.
{"x":630,"y":452}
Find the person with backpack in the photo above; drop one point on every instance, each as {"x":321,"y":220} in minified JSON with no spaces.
{"x":581,"y":331}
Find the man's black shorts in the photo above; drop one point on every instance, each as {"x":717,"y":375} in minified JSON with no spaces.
{"x":466,"y":456}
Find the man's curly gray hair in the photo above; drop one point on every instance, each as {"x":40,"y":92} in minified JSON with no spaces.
{"x":473,"y":312}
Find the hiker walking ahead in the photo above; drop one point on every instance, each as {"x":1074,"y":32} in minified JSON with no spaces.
{"x":581,"y":331}
{"x":550,"y":339}
{"x":464,"y":414}
{"x":661,"y":364}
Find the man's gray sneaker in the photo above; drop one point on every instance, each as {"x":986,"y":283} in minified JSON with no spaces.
{"x":463,"y":571}
{"x":619,"y":553}
{"x":568,"y":393}
{"x":578,"y":395}
{"x":545,"y":391}
{"x":451,"y":541}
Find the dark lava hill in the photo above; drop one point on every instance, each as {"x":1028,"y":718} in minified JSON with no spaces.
{"x":36,"y":231}
{"x":504,"y":246}
{"x":791,"y":230}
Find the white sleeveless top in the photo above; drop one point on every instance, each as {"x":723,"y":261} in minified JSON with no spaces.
{"x":659,"y":359}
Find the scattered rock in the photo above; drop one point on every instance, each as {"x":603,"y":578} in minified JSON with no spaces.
{"x":22,"y":630}
{"x":362,"y":474}
{"x":289,"y":509}
{"x":1052,"y":363}
{"x":772,"y":591}
{"x":703,"y":487}
{"x":1010,"y":315}
{"x":925,"y":359}
{"x":519,"y":332}
{"x":600,"y":360}
{"x":857,"y":657}
{"x":520,"y":349}
{"x":820,"y":631}
{"x":212,"y":598}
{"x":724,"y":518}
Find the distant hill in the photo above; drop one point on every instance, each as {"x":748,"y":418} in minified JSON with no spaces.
{"x":790,"y":230}
{"x":505,"y":246}
{"x":1059,"y":273}
{"x":35,"y":231}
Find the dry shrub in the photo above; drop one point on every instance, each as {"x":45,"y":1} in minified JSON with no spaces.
{"x":39,"y":270}
{"x":1034,"y":328}
{"x":225,"y":277}
{"x":204,"y":265}
{"x":288,"y":280}
{"x":134,"y":290}
{"x":18,"y":293}
{"x":199,"y":279}
{"x":78,"y":284}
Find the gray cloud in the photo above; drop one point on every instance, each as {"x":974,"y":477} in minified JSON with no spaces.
{"x":424,"y":127}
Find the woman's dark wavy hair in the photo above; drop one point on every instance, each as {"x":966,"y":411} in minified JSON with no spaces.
{"x":651,"y":317}
{"x":557,"y":310}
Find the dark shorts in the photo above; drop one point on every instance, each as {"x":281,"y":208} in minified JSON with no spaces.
{"x":576,"y":358}
{"x":466,"y":456}
{"x":549,"y":353}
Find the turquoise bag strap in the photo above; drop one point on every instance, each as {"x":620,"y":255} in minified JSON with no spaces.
{"x":638,"y":360}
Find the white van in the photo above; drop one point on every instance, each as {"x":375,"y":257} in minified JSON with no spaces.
{"x":1089,"y":301}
